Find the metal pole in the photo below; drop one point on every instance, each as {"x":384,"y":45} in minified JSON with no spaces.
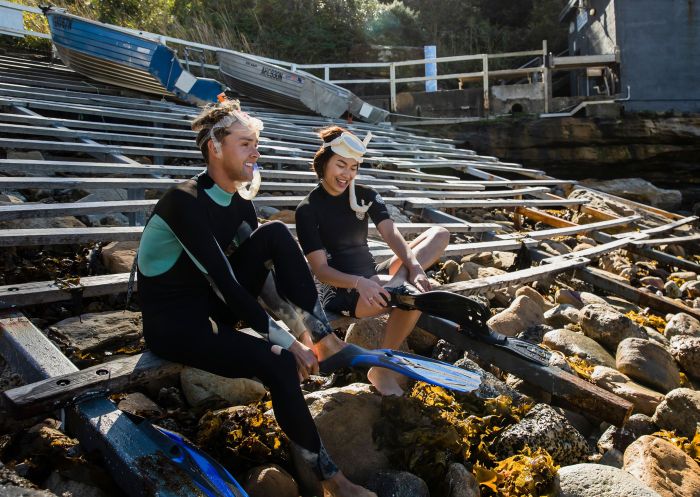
{"x":546,"y":78}
{"x":327,"y":73}
{"x":485,"y":72}
{"x":392,"y":83}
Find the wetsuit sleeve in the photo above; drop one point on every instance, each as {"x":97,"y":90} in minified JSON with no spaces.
{"x":378,"y":210}
{"x":189,"y":223}
{"x":307,"y":229}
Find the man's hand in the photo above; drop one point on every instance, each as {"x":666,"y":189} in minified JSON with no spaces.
{"x":307,"y":363}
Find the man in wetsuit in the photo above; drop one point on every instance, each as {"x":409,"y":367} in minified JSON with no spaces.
{"x":203,"y":261}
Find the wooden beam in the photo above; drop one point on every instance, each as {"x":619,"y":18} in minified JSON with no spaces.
{"x":591,"y":399}
{"x":418,"y":203}
{"x":572,"y":230}
{"x":114,"y":376}
{"x":602,"y":280}
{"x":63,"y":236}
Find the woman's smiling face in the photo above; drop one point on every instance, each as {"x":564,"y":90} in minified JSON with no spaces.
{"x":338,"y":174}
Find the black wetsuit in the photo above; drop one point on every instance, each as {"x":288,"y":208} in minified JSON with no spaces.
{"x":196,"y":280}
{"x":326,"y":222}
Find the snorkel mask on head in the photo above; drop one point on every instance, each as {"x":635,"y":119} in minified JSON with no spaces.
{"x":349,"y":146}
{"x":250,"y":123}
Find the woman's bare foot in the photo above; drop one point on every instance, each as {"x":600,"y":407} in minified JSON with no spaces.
{"x":386,"y":382}
{"x":340,"y":486}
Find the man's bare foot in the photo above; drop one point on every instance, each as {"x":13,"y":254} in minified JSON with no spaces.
{"x":328,"y":346}
{"x":386,"y":382}
{"x":340,"y":486}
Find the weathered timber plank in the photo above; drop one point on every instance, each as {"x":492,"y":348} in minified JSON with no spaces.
{"x":62,"y":236}
{"x":601,"y":279}
{"x":593,"y":400}
{"x":470,"y":195}
{"x":572,"y":230}
{"x":418,"y":203}
{"x":130,"y":456}
{"x":113,"y":376}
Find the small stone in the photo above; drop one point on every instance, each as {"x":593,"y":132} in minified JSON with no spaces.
{"x":684,"y":275}
{"x":534,"y":295}
{"x":614,"y":438}
{"x":672,"y":290}
{"x":648,"y":363}
{"x":480,"y":258}
{"x":470,"y":268}
{"x":397,"y":484}
{"x":266,"y":211}
{"x":654,"y":281}
{"x":140,"y":405}
{"x":485,"y":272}
{"x":607,"y":326}
{"x":686,"y":351}
{"x":522,"y":313}
{"x":692,"y":289}
{"x":577,"y":344}
{"x":201,"y":387}
{"x":682,"y":324}
{"x":118,"y":257}
{"x":285,"y":215}
{"x":640,"y":424}
{"x":582,"y":246}
{"x":663,"y":467}
{"x":450,"y":269}
{"x":460,"y":482}
{"x":561,"y":315}
{"x":555,"y":248}
{"x":93,"y":332}
{"x":645,"y":400}
{"x":679,"y":411}
{"x":597,"y":480}
{"x":503,"y":260}
{"x":265,"y":481}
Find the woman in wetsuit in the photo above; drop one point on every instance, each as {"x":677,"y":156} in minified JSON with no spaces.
{"x":202,"y":262}
{"x":332,"y":226}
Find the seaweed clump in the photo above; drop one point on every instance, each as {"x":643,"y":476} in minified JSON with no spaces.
{"x":243,"y":437}
{"x":429,"y":429}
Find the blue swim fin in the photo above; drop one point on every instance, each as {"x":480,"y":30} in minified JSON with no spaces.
{"x":210,"y":477}
{"x":411,"y":365}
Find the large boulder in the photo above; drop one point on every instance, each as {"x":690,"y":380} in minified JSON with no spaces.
{"x":543,"y":427}
{"x":522,"y":313}
{"x":648,"y":362}
{"x":369,"y":332}
{"x":639,"y":190}
{"x":201,"y":388}
{"x":607,"y":326}
{"x":663,"y":467}
{"x":345,"y":418}
{"x":679,"y":411}
{"x":597,"y":480}
{"x":644,"y":399}
{"x":576,"y":344}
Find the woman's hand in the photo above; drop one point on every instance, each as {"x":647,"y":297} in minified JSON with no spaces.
{"x":418,"y":278}
{"x":374,"y":294}
{"x":307,"y":363}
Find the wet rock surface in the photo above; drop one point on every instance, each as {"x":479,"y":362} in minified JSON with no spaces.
{"x":397,"y":484}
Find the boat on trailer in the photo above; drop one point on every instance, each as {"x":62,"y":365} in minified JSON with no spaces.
{"x":125,"y":58}
{"x":295,"y":90}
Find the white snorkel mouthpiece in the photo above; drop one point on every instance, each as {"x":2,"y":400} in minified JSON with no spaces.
{"x":249,"y":192}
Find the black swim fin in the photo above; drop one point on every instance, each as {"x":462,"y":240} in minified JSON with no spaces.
{"x":470,"y":315}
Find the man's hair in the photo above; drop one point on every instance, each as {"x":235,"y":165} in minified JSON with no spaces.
{"x":210,"y":115}
{"x":324,"y":154}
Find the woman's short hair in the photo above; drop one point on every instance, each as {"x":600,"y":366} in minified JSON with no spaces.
{"x":210,"y":115}
{"x":324,"y":154}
